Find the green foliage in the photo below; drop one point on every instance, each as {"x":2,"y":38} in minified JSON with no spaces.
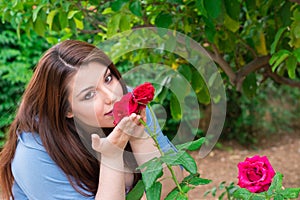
{"x":271,"y":109}
{"x":236,"y":33}
{"x":17,"y":59}
{"x":137,"y":192}
{"x":275,"y":191}
{"x":229,"y":190}
{"x":152,"y":170}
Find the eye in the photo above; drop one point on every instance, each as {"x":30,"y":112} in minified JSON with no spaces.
{"x":89,"y":95}
{"x":108,"y":78}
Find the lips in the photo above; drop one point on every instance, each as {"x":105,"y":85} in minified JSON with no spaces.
{"x":110,"y":113}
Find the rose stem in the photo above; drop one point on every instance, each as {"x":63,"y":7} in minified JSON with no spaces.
{"x":153,"y":135}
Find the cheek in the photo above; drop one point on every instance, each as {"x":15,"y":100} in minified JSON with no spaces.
{"x":87,"y":112}
{"x":98,"y":114}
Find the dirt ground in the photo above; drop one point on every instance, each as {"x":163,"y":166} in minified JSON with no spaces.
{"x":282,"y":150}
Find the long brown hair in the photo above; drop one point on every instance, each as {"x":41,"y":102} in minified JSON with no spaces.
{"x":43,"y":110}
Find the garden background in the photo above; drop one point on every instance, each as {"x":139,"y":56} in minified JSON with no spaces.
{"x":255,"y":44}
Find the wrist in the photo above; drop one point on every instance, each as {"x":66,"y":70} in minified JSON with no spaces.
{"x":115,"y":162}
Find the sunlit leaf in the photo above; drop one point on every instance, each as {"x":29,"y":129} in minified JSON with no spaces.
{"x":175,"y":108}
{"x":153,"y":193}
{"x":183,"y":159}
{"x":191,"y":146}
{"x":152,"y":172}
{"x":291,"y":64}
{"x":137,"y":192}
{"x":276,"y":40}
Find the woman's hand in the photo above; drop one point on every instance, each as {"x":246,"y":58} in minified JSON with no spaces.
{"x":114,"y":144}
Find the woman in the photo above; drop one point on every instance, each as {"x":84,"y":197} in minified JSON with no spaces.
{"x":48,"y":152}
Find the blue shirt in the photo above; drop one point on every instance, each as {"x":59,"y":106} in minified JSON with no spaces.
{"x":38,"y":177}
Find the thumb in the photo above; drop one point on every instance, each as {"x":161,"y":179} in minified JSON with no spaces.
{"x":96,"y":142}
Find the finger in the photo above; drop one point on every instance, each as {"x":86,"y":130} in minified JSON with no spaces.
{"x":136,"y":119}
{"x":96,"y":142}
{"x":143,"y":115}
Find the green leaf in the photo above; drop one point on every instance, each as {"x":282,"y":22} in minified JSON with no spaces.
{"x":194,"y":179}
{"x":296,"y":53}
{"x":203,"y":96}
{"x":242,"y":193}
{"x":72,"y":25}
{"x":63,"y":19}
{"x":79,"y":23}
{"x":181,"y":158}
{"x":250,"y":85}
{"x":180,"y":86}
{"x":113,"y":24}
{"x":117,"y":4}
{"x":285,"y":14}
{"x":163,"y":20}
{"x":72,"y":13}
{"x":290,"y":193}
{"x":197,"y":81}
{"x":276,"y":184}
{"x":278,"y":58}
{"x":277,"y":37}
{"x":124,"y":22}
{"x":291,"y":64}
{"x":258,"y":196}
{"x":172,"y":195}
{"x":175,"y":194}
{"x":210,"y":33}
{"x":50,"y":18}
{"x":231,"y":24}
{"x":191,"y":146}
{"x":136,"y":8}
{"x":233,"y":9}
{"x":175,"y":108}
{"x":36,"y":11}
{"x":278,"y":197}
{"x":137,"y":192}
{"x":213,"y":7}
{"x":39,"y":27}
{"x":200,"y":7}
{"x":153,"y":193}
{"x":153,"y":171}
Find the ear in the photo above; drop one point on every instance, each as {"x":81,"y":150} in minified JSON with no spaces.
{"x":69,"y":114}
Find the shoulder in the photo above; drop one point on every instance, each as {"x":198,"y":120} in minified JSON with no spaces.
{"x":36,"y":175}
{"x":30,"y":140}
{"x":30,"y":156}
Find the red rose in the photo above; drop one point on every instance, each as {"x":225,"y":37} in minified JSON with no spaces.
{"x":144,"y":93}
{"x":124,"y":108}
{"x":255,"y":174}
{"x":133,"y":102}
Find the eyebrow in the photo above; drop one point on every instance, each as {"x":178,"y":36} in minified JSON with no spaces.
{"x":82,"y":91}
{"x":105,"y":72}
{"x":91,"y":87}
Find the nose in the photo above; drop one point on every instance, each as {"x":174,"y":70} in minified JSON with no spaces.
{"x":109,"y":96}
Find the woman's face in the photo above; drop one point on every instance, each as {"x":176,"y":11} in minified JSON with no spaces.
{"x":94,"y":90}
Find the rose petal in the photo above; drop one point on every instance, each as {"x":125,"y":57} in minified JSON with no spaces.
{"x":144,"y":93}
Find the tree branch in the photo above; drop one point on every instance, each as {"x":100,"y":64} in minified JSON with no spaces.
{"x":218,"y":58}
{"x":280,"y":79}
{"x":252,"y":66}
{"x":295,"y":1}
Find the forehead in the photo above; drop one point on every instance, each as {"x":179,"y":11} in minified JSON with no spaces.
{"x":87,"y":76}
